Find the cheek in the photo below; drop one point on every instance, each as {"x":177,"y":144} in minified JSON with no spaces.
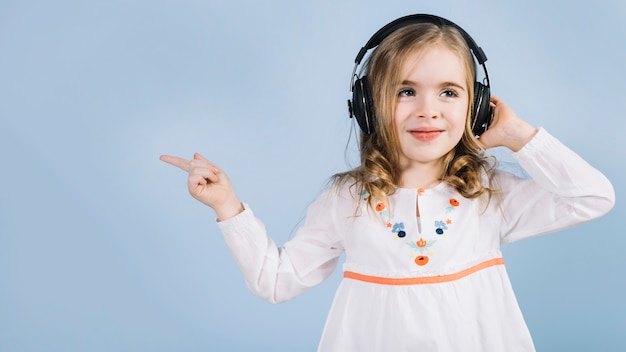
{"x":460,"y":129}
{"x":457,"y":127}
{"x":460,"y":120}
{"x":398,"y":117}
{"x":461,"y":124}
{"x":398,"y":112}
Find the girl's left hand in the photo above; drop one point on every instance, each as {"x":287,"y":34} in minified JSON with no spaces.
{"x":506,"y":128}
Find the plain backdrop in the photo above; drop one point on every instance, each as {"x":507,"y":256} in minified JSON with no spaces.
{"x":102,"y":248}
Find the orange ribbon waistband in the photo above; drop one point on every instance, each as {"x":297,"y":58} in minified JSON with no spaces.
{"x":425,"y":279}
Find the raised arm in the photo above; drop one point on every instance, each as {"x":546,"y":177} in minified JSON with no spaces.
{"x":272,"y":273}
{"x":564,"y":190}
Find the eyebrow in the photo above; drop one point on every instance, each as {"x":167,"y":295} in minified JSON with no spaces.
{"x":443,"y":84}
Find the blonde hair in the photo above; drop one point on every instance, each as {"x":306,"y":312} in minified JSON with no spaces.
{"x":379,"y":172}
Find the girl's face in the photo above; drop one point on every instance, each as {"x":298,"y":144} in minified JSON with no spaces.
{"x":431,"y":107}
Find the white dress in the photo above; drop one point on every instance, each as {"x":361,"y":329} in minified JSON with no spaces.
{"x":439,"y":286}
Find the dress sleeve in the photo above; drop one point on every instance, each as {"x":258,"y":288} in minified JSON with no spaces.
{"x":280,"y":274}
{"x":564,"y":191}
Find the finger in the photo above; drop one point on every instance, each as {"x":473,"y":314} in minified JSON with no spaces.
{"x":198,"y":180}
{"x":200,"y":161}
{"x":207,"y":173}
{"x":176,"y":161}
{"x":197,"y":156}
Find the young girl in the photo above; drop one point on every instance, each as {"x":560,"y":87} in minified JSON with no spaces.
{"x":421,"y":220}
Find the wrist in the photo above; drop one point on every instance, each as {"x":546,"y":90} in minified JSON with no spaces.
{"x":521,"y":134}
{"x":229,"y":210}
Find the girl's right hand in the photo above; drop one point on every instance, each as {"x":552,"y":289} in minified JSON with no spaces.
{"x":506,"y":128}
{"x":208,"y":184}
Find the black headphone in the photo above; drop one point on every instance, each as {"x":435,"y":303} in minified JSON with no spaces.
{"x":362,"y":106}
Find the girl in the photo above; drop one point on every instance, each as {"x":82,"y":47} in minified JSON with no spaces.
{"x":421,"y":220}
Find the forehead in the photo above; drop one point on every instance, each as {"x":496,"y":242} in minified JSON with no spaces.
{"x":434,"y":61}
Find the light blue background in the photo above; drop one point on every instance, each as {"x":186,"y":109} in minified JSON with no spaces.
{"x":101,"y":247}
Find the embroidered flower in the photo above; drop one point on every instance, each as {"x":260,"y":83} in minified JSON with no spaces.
{"x":441,"y":227}
{"x":398,"y":229}
{"x":421,"y":245}
{"x":453,"y":204}
{"x":421,"y":260}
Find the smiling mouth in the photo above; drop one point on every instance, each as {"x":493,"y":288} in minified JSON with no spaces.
{"x":425,"y":136}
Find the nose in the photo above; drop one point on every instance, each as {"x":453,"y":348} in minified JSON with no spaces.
{"x":426,"y":107}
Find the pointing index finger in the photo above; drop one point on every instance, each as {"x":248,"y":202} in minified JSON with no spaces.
{"x":181,"y":163}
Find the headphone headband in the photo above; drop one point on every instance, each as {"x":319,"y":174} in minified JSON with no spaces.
{"x":393,"y":26}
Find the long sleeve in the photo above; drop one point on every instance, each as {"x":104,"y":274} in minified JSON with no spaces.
{"x":280,"y":274}
{"x":564,"y":190}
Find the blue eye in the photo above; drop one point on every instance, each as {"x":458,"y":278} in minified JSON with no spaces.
{"x":449,"y":93}
{"x":406,"y":92}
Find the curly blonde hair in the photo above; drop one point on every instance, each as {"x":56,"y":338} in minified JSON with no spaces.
{"x":379,"y":171}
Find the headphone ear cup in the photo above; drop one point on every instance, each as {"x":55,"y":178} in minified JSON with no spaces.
{"x":363,"y":105}
{"x":482,"y":114}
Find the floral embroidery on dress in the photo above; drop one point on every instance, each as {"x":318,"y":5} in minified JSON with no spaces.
{"x":421,"y":250}
{"x":398,"y":229}
{"x":440,"y":227}
{"x":453,"y":204}
{"x":421,"y":246}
